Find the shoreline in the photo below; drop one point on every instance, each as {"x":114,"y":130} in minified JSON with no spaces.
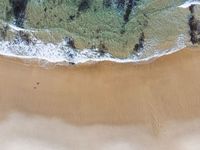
{"x":66,"y":55}
{"x":151,"y":45}
{"x":164,"y":90}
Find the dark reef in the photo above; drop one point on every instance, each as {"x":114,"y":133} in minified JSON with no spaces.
{"x":19,"y":11}
{"x":84,"y":5}
{"x":118,"y":27}
{"x":23,"y":37}
{"x":128,"y":11}
{"x":69,"y":42}
{"x":194,"y":25}
{"x":3,"y":32}
{"x":140,"y":45}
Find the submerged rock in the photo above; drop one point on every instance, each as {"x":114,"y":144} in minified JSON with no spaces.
{"x":128,"y":11}
{"x":118,"y":23}
{"x":3,"y":32}
{"x":107,"y":3}
{"x":69,"y":42}
{"x":84,"y":5}
{"x":140,"y":45}
{"x":194,"y":24}
{"x":23,"y":37}
{"x":102,"y":48}
{"x":120,"y":4}
{"x":19,"y":11}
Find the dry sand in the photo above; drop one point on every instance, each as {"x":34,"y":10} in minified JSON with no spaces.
{"x":123,"y":100}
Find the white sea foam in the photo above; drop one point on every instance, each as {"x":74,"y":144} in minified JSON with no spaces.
{"x":15,"y":28}
{"x":60,"y":53}
{"x":189,"y":3}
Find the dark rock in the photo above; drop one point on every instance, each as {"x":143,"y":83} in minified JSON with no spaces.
{"x":120,"y":4}
{"x":18,"y":9}
{"x":102,"y":48}
{"x":140,"y":45}
{"x":3,"y":32}
{"x":45,"y":9}
{"x":122,"y":31}
{"x":141,"y":40}
{"x":193,"y":38}
{"x":128,"y":10}
{"x":136,"y":48}
{"x":84,"y":5}
{"x":23,"y":37}
{"x":191,"y":8}
{"x":107,"y":3}
{"x":71,"y":63}
{"x":70,"y":42}
{"x":72,"y":17}
{"x":194,"y":25}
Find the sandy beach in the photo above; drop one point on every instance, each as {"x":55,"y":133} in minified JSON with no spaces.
{"x":77,"y":75}
{"x":149,"y":95}
{"x":167,"y":88}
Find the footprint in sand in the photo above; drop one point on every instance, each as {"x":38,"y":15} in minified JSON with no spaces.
{"x":37,"y":84}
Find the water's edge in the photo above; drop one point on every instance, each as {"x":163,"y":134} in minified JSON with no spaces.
{"x":62,"y":54}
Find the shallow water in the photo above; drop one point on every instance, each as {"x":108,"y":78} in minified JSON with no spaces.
{"x":59,"y":53}
{"x":156,"y":45}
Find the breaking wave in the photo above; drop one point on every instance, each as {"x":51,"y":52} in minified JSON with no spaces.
{"x":189,"y":3}
{"x":60,"y":53}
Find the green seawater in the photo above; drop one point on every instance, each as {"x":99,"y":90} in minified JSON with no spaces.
{"x":161,"y":21}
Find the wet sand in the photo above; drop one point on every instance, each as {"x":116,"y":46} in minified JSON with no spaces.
{"x":152,"y":94}
{"x":109,"y":93}
{"x":103,"y":106}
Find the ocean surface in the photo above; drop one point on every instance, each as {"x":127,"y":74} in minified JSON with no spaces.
{"x":61,"y":53}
